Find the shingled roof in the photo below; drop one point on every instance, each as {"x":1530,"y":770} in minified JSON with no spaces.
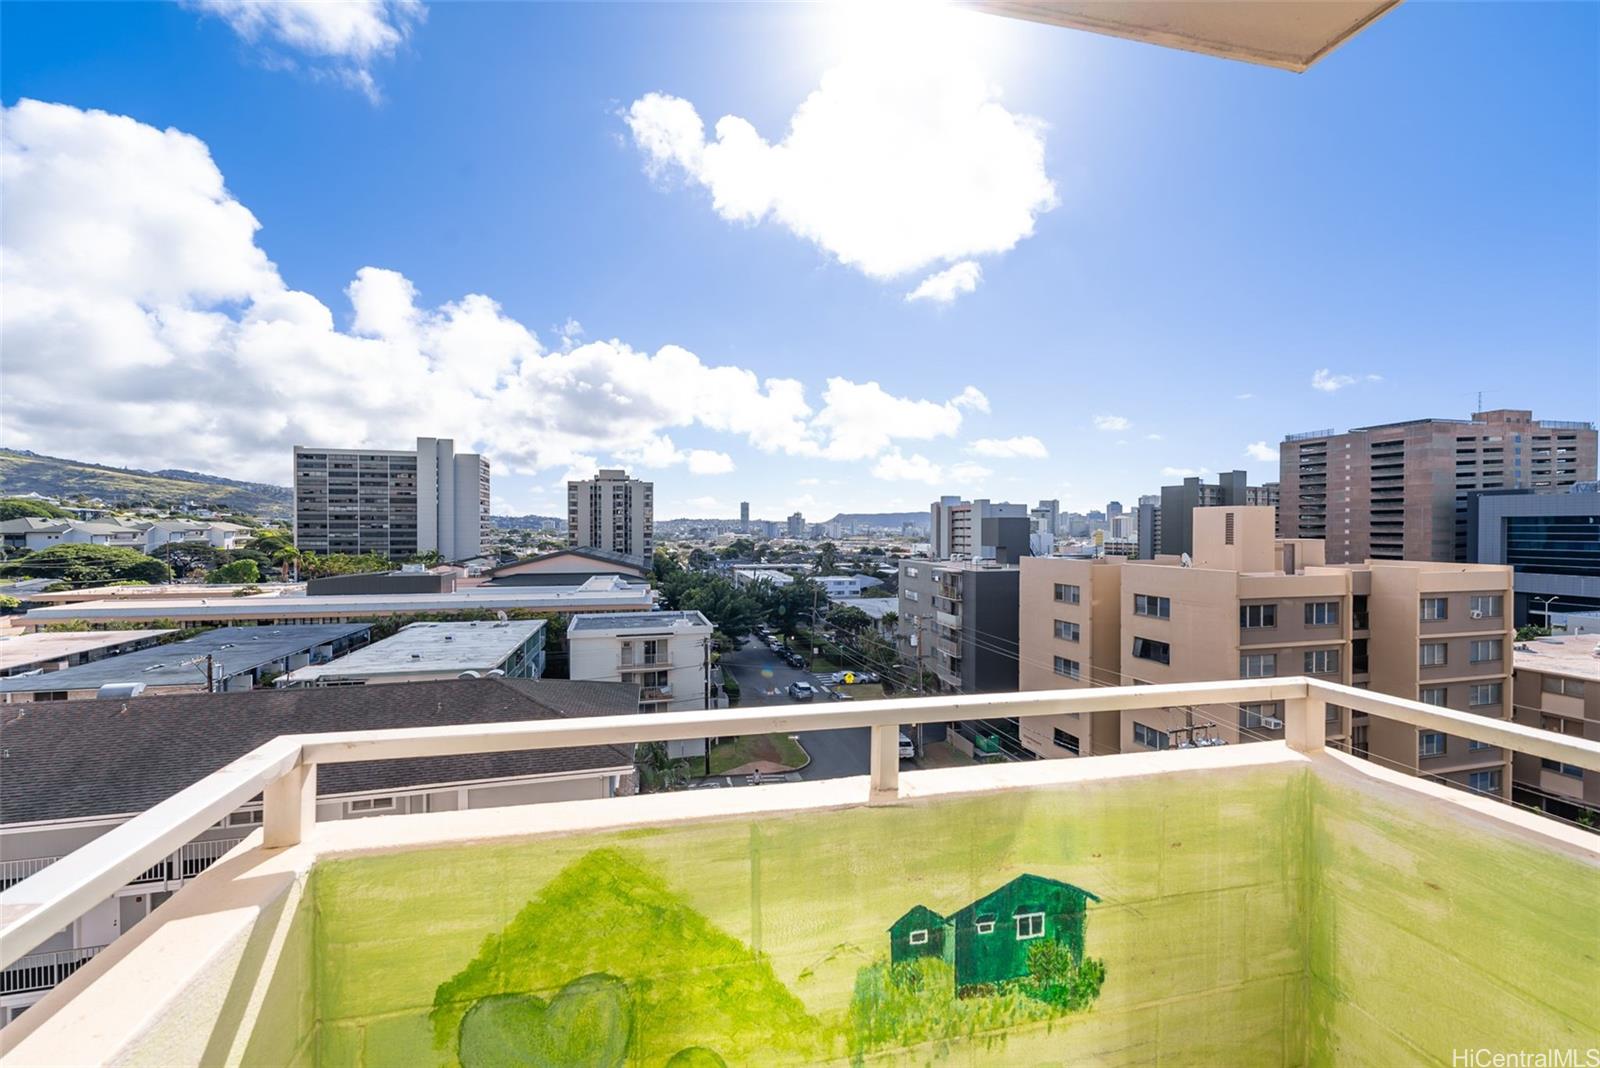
{"x":79,"y":759}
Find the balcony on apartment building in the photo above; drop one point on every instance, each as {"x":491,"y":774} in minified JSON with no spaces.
{"x":1273,"y":903}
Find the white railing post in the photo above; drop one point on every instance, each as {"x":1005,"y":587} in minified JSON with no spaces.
{"x":885,"y":763}
{"x":289,"y":805}
{"x":1305,"y":723}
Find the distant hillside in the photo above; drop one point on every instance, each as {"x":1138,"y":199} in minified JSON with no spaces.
{"x":27,"y":472}
{"x":527,"y":522}
{"x":881,"y":519}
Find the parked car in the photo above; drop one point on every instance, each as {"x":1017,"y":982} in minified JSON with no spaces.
{"x":907,"y":750}
{"x":801,"y":691}
{"x":795,"y":660}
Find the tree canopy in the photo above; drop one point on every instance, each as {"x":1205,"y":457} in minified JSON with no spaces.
{"x":19,"y":508}
{"x":236,"y":573}
{"x":90,"y":565}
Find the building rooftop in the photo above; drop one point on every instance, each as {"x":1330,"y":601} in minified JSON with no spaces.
{"x":112,"y":758}
{"x":428,"y":648}
{"x":236,"y":650}
{"x":24,"y":649}
{"x":1576,"y":656}
{"x":598,"y":593}
{"x":607,"y":622}
{"x":876,"y":607}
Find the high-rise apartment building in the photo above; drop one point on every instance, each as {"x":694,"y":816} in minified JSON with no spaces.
{"x":1399,"y":491}
{"x":613,"y":512}
{"x":1147,"y":526}
{"x":396,"y":503}
{"x":1046,"y":517}
{"x":979,"y":530}
{"x":1179,"y":502}
{"x":1253,"y":606}
{"x":744,"y":517}
{"x":797,"y":526}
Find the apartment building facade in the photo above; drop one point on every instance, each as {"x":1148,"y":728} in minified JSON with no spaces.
{"x":979,"y":530}
{"x":397,"y":503}
{"x":613,"y":512}
{"x":1556,"y":687}
{"x":958,"y":620}
{"x":667,"y":655}
{"x":1254,"y":606}
{"x":1177,"y":505}
{"x":1400,"y":491}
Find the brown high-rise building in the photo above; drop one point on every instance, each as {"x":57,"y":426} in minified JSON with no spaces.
{"x":1399,"y":491}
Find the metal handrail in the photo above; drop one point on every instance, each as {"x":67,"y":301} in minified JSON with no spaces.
{"x":42,"y":971}
{"x":283,"y":770}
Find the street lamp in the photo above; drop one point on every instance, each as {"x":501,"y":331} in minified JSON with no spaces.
{"x":1547,"y":601}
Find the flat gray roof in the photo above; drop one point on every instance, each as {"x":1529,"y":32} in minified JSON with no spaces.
{"x":1570,"y":655}
{"x":609,"y":621}
{"x":428,"y":648}
{"x":43,"y":645}
{"x":237,"y":649}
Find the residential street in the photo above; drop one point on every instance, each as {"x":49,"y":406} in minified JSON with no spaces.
{"x":764,"y":680}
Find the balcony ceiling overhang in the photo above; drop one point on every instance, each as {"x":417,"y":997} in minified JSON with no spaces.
{"x":1289,"y":34}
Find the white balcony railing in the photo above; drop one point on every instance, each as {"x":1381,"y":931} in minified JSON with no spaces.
{"x":284,"y":770}
{"x":42,"y":971}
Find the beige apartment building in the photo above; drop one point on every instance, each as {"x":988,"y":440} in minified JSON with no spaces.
{"x":1399,"y":491}
{"x":1557,"y":688}
{"x":1252,"y":606}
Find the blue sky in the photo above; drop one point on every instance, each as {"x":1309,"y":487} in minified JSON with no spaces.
{"x":1417,"y":214}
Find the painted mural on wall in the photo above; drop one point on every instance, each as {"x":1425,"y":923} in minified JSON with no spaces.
{"x":607,"y":966}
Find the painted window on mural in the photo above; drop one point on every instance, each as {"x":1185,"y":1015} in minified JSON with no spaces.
{"x":918,"y":938}
{"x":1030,"y":925}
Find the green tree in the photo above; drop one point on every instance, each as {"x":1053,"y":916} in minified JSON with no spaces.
{"x":431,"y":558}
{"x":315,"y":566}
{"x":737,"y":549}
{"x":700,"y":560}
{"x":827,"y":558}
{"x":240,"y":572}
{"x":90,"y":565}
{"x":850,"y":618}
{"x":18,"y":508}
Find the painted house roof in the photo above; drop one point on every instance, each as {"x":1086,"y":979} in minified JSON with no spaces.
{"x":1023,"y":884}
{"x":919,"y":916}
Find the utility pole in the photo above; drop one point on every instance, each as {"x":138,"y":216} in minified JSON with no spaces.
{"x":211,"y":674}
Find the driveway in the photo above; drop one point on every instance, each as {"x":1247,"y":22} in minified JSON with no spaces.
{"x":764,"y":680}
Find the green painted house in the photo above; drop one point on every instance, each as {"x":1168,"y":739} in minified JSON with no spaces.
{"x":988,"y":941}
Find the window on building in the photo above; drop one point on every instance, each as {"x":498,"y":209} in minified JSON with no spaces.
{"x":1435,"y":654}
{"x":1030,"y":925}
{"x":1067,"y":593}
{"x":1430,"y":744}
{"x":1149,"y":649}
{"x":1148,"y":605}
{"x":1485,"y":650}
{"x":1435,"y":608}
{"x":1434,"y":695}
{"x":911,"y":572}
{"x":1484,"y":782}
{"x":1150,"y":737}
{"x":1258,"y":665}
{"x":911,"y":595}
{"x":1255,"y":616}
{"x":1558,"y":685}
{"x":919,"y":937}
{"x":1485,"y":693}
{"x":1067,"y":631}
{"x":1487,"y":606}
{"x":1068,"y":669}
{"x":1572,"y":771}
{"x":1265,"y":715}
{"x":244,"y":817}
{"x":1322,"y":613}
{"x":1475,"y":746}
{"x":370,"y":804}
{"x":1321,"y":662}
{"x":986,"y":926}
{"x":1066,"y":741}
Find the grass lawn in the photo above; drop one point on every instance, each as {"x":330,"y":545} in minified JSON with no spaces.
{"x":779,"y":751}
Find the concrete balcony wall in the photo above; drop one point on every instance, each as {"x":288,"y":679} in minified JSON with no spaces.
{"x":1254,"y":906}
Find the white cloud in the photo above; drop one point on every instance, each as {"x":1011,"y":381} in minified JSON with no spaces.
{"x":1328,"y":382}
{"x":1111,"y":422}
{"x":1260,"y":450}
{"x":969,"y":472}
{"x":1153,"y":437}
{"x":1024,"y":447}
{"x":1244,"y":396}
{"x":893,"y":466}
{"x":705,"y":507}
{"x":341,"y":38}
{"x":902,"y":158}
{"x":709,"y":462}
{"x":1185,"y":472}
{"x":948,"y":284}
{"x":134,"y":286}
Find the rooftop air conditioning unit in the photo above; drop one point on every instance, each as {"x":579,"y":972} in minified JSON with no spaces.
{"x":1272,"y":723}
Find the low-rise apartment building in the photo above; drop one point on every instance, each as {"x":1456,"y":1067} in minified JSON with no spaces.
{"x":421,"y":652}
{"x":47,"y":651}
{"x":70,"y":779}
{"x":1556,"y":687}
{"x":1252,"y":606}
{"x":667,"y":655}
{"x":958,"y":620}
